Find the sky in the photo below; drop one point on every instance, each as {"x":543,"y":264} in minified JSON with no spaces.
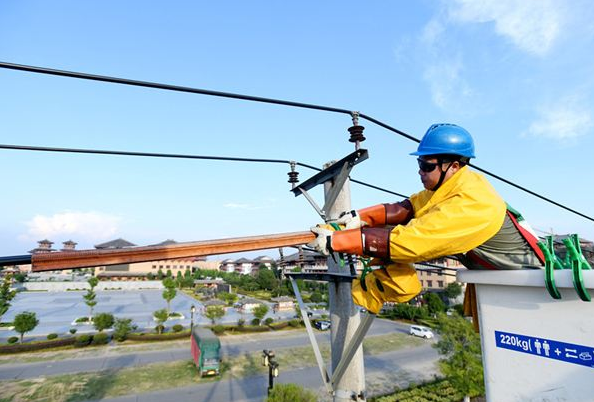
{"x":517,"y":74}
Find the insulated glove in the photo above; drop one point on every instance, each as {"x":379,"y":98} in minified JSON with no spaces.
{"x":351,"y":220}
{"x":323,"y":241}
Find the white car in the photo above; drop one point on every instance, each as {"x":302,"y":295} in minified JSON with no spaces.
{"x":423,"y":332}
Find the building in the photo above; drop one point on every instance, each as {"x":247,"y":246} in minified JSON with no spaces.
{"x":434,"y":279}
{"x":246,"y":266}
{"x":247,"y":305}
{"x":283,"y":303}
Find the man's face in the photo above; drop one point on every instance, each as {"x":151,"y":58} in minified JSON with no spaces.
{"x":430,"y":179}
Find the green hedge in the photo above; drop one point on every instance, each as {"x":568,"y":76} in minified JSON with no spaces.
{"x":440,"y":391}
{"x":159,"y":337}
{"x":32,"y":346}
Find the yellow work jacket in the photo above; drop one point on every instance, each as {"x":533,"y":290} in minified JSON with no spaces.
{"x":461,"y":215}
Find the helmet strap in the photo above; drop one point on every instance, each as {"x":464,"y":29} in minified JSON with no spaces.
{"x":442,"y":175}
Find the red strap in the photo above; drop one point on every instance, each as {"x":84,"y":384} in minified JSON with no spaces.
{"x":529,"y":237}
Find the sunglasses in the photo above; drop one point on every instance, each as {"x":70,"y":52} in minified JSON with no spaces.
{"x":427,"y":166}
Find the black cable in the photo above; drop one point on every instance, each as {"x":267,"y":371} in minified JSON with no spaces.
{"x":177,"y":156}
{"x":147,"y":84}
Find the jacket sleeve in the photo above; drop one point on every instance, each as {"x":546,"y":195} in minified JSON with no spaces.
{"x":456,"y":225}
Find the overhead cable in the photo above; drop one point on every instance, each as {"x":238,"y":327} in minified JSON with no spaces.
{"x":180,"y":156}
{"x":148,"y":84}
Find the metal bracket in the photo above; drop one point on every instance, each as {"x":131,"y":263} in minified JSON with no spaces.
{"x":338,"y":171}
{"x":325,"y":277}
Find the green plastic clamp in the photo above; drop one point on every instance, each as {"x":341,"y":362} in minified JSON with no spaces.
{"x":551,"y":263}
{"x":578,"y":263}
{"x":366,"y":270}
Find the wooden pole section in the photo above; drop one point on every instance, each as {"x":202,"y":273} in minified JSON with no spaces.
{"x":93,"y":258}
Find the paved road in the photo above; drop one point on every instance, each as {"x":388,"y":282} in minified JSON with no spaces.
{"x":383,"y":373}
{"x":231,"y":346}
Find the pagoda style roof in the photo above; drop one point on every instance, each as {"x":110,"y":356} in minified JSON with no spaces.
{"x":165,"y":243}
{"x":117,"y":243}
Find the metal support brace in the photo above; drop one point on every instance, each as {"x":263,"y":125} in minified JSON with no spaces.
{"x":312,"y":337}
{"x":352,"y":347}
{"x":313,"y":204}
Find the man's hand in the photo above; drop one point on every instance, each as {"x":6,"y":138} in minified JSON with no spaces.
{"x":351,"y":220}
{"x":323,"y":241}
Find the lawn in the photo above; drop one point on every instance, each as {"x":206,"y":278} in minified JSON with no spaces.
{"x":135,"y":380}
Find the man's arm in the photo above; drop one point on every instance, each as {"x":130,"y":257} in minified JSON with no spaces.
{"x":399,"y":213}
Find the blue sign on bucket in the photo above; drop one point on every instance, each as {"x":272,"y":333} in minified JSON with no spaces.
{"x":547,"y":348}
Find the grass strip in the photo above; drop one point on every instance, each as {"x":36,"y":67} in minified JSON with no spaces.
{"x":159,"y":376}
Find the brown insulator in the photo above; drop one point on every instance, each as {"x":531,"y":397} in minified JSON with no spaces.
{"x":293,"y":177}
{"x":356,"y":133}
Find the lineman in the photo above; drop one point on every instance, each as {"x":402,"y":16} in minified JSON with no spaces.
{"x":458,"y":213}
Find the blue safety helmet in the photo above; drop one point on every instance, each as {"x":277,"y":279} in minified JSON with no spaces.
{"x":446,"y":139}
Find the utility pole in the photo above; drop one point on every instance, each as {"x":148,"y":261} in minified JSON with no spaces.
{"x":343,"y":314}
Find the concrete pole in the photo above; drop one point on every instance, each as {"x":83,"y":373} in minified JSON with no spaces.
{"x":343,"y":314}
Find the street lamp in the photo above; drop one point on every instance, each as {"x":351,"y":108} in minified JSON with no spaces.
{"x":267,"y":356}
{"x":192,"y":310}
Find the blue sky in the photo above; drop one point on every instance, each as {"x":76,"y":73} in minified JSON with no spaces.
{"x":519,"y":75}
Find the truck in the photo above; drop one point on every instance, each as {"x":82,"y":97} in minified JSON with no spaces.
{"x":206,"y":351}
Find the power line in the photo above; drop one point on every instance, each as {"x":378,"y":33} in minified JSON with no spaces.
{"x":147,"y":84}
{"x":179,"y":156}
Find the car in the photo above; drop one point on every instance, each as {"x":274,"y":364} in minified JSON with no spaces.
{"x":423,"y":332}
{"x":322,"y":325}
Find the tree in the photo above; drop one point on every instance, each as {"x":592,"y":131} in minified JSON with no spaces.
{"x":169,"y":292}
{"x":460,"y":348}
{"x":453,"y":290}
{"x":260,"y":311}
{"x":103,"y":321}
{"x":6,"y":295}
{"x":160,"y":274}
{"x":25,"y":322}
{"x":316,"y":297}
{"x":265,"y":278}
{"x":434,"y":303}
{"x":290,"y":393}
{"x":121,"y":328}
{"x":213,"y":313}
{"x":229,"y":298}
{"x":161,"y":316}
{"x":90,"y":295}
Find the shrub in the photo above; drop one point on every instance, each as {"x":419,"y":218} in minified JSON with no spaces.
{"x":255,"y":321}
{"x":268,"y":321}
{"x":100,"y":339}
{"x":52,"y":336}
{"x":72,"y":331}
{"x":82,"y":319}
{"x":290,"y":393}
{"x":295,"y":323}
{"x":240,"y":322}
{"x":160,"y":328}
{"x":218,"y":329}
{"x":13,"y":339}
{"x":177,"y":328}
{"x":83,"y":340}
{"x":122,"y":327}
{"x":103,"y":321}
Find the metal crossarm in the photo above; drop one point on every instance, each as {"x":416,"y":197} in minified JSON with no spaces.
{"x":332,"y":171}
{"x":324,"y":277}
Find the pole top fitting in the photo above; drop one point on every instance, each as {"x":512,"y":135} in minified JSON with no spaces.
{"x":355,"y":116}
{"x":293,"y":175}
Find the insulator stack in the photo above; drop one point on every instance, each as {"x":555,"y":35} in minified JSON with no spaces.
{"x":356,"y":134}
{"x":293,"y":175}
